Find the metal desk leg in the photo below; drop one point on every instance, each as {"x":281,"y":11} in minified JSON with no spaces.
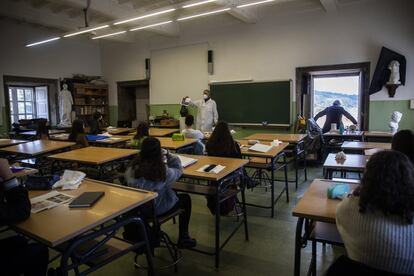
{"x":217,"y":249}
{"x":286,"y":178}
{"x":298,"y":246}
{"x":272,"y":187}
{"x":296,"y":166}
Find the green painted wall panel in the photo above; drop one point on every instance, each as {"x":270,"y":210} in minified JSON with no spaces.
{"x":380,"y":114}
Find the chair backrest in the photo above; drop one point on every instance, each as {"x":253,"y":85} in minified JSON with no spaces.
{"x":344,"y":266}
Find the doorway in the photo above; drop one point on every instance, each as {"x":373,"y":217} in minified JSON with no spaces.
{"x":133,"y":102}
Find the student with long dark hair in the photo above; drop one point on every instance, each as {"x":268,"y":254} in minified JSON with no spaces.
{"x":95,"y":124}
{"x":142,"y":133}
{"x":77,"y":133}
{"x":376,"y":222}
{"x":42,"y":130}
{"x":403,"y":141}
{"x":221,"y":142}
{"x":156,"y":170}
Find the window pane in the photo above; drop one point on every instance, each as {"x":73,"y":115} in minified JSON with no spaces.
{"x":11,"y":108}
{"x":22,"y":117}
{"x":10,"y":95}
{"x":29,"y":107}
{"x":29,"y":94}
{"x":21,"y":107}
{"x":20,"y":95}
{"x":29,"y":117}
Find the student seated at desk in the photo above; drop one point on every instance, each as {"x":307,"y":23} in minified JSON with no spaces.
{"x":17,"y":256}
{"x":157,"y":170}
{"x":142,"y":133}
{"x":95,"y":124}
{"x":42,"y":131}
{"x":376,"y":222}
{"x":191,"y":133}
{"x":403,"y":141}
{"x":77,"y":134}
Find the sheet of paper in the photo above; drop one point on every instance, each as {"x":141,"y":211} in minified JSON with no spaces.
{"x":217,"y":169}
{"x":186,"y":161}
{"x":48,"y":201}
{"x":372,"y":151}
{"x":260,"y":148}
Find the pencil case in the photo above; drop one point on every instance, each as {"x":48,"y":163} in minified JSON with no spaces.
{"x":178,"y":137}
{"x":338,"y":191}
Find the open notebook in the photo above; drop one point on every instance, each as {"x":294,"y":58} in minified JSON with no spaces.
{"x":260,"y":148}
{"x":186,"y":161}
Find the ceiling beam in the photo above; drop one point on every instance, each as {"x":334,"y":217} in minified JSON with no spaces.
{"x":245,"y":15}
{"x":171,"y":29}
{"x":329,"y":6}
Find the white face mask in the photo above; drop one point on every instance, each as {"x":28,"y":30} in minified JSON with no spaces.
{"x":205,"y":96}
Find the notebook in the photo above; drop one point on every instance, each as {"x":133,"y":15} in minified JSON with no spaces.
{"x":86,"y":199}
{"x":260,"y":147}
{"x":186,"y":161}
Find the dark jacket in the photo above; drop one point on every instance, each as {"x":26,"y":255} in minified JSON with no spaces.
{"x":235,"y":152}
{"x":14,"y":206}
{"x":334,"y":116}
{"x":94,"y":127}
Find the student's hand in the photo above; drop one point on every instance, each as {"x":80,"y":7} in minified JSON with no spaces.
{"x":5,"y":172}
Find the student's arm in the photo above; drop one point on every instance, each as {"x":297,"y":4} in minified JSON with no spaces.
{"x":349,"y":116}
{"x":174,"y":170}
{"x":199,"y":135}
{"x":16,"y":206}
{"x":215,"y":113}
{"x":320,"y":114}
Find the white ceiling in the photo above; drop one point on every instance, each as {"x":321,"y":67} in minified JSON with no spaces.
{"x":68,"y":15}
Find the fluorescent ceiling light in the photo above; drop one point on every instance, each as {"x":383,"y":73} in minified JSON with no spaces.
{"x":144,"y":16}
{"x":198,"y":4}
{"x":42,"y":42}
{"x":203,"y":14}
{"x":112,"y":34}
{"x":254,"y":3}
{"x":150,"y":26}
{"x":86,"y":31}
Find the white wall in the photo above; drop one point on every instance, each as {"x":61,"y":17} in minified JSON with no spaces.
{"x":280,"y":42}
{"x":55,"y":60}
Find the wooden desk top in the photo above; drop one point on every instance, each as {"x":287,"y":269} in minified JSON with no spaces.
{"x":285,"y":137}
{"x":378,"y":134}
{"x":111,"y":140}
{"x":347,"y":145}
{"x":273,"y":152}
{"x":37,"y":147}
{"x":315,"y":203}
{"x":51,"y":132}
{"x":59,"y":137}
{"x":94,"y":155}
{"x":10,"y":142}
{"x":58,"y":225}
{"x":231,"y":164}
{"x":356,"y":133}
{"x":159,"y":132}
{"x":119,"y":130}
{"x":25,"y":172}
{"x":168,"y":143}
{"x":353,"y":161}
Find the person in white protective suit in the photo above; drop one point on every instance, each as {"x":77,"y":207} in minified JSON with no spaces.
{"x":207,"y":115}
{"x":65,"y":106}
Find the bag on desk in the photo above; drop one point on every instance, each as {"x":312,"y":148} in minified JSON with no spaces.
{"x":37,"y":182}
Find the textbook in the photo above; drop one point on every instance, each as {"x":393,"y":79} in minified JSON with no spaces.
{"x":186,"y":161}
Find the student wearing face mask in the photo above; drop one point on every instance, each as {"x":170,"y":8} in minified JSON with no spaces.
{"x":207,"y":115}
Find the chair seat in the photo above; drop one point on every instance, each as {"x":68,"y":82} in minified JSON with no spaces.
{"x":169,"y":215}
{"x":201,"y":189}
{"x":326,"y":232}
{"x":258,"y":163}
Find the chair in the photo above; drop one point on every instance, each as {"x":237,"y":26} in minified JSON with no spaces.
{"x":164,"y":239}
{"x":344,"y":266}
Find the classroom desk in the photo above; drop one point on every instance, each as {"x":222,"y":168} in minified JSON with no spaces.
{"x":361,"y":146}
{"x":347,"y":135}
{"x":160,"y":132}
{"x":120,"y":130}
{"x":25,"y":172}
{"x":297,"y":141}
{"x":33,"y":132}
{"x":97,"y":157}
{"x":313,"y":206}
{"x":168,"y":143}
{"x":267,"y":160}
{"x":11,"y":142}
{"x":60,"y":225}
{"x":382,"y":136}
{"x":111,"y":141}
{"x":36,"y":148}
{"x":221,"y":190}
{"x":59,"y":137}
{"x":353,"y":163}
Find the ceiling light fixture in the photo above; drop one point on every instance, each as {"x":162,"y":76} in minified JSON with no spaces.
{"x":112,"y":34}
{"x":254,"y":3}
{"x":150,"y":26}
{"x":198,"y":4}
{"x":144,"y":16}
{"x":203,"y":14}
{"x":43,"y":41}
{"x":86,"y":31}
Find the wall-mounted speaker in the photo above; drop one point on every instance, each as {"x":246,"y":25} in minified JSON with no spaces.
{"x":210,"y":62}
{"x":147,"y":68}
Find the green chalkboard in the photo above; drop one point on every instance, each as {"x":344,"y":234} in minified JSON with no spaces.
{"x":252,"y":103}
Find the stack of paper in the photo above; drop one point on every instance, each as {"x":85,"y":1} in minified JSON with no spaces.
{"x":186,"y":161}
{"x":48,"y":201}
{"x":261,"y":148}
